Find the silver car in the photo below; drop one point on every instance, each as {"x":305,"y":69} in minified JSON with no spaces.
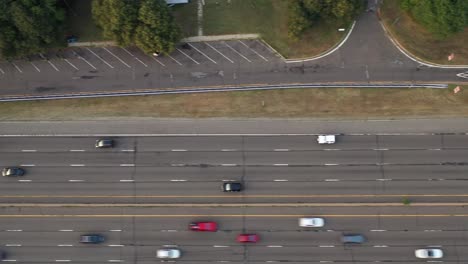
{"x":168,"y":253}
{"x":311,"y":222}
{"x":429,"y":253}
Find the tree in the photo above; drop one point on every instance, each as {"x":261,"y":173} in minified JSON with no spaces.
{"x":30,"y":26}
{"x":156,"y":31}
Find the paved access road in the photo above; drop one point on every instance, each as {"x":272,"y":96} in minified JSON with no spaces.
{"x":273,"y":169}
{"x":47,"y":235}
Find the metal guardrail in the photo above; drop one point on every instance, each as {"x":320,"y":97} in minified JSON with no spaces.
{"x":216,"y":89}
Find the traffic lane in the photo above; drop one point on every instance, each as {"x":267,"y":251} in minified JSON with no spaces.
{"x":191,"y":143}
{"x":417,"y":238}
{"x":451,"y":253}
{"x":58,"y":238}
{"x":65,"y":159}
{"x":424,"y":172}
{"x":412,"y":141}
{"x":425,"y":156}
{"x":297,"y":253}
{"x":194,"y":253}
{"x":74,"y":254}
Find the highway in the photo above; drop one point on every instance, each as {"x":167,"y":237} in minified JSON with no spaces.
{"x":142,"y":194}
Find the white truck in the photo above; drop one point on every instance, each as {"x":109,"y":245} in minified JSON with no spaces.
{"x":326,"y":139}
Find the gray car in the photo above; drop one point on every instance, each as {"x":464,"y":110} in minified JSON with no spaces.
{"x":353,"y":239}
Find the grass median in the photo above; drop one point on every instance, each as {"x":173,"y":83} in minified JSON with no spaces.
{"x":342,"y":103}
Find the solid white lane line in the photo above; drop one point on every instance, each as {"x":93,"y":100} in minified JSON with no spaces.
{"x":178,"y":150}
{"x":274,"y":246}
{"x":112,"y":67}
{"x":281,"y":164}
{"x":65,"y":245}
{"x":219,"y":52}
{"x":219,"y":246}
{"x":280,"y":180}
{"x":254,"y":51}
{"x":115,"y":230}
{"x":115,"y":56}
{"x":281,"y":149}
{"x":14,"y":230}
{"x":127,"y":165}
{"x":227,"y":45}
{"x":28,"y":165}
{"x":116,"y":245}
{"x":13,"y":245}
{"x":25,"y":180}
{"x":178,"y":180}
{"x":188,"y":56}
{"x":77,"y":150}
{"x":75,"y":180}
{"x":77,"y":165}
{"x":199,"y":51}
{"x":66,"y":230}
{"x":326,"y":246}
{"x":127,"y":180}
{"x":28,"y":150}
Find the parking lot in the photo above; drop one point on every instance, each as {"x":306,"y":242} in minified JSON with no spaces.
{"x":112,"y":58}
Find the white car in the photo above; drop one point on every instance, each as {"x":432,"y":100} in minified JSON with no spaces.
{"x":311,"y":222}
{"x":429,"y":253}
{"x":168,"y":253}
{"x":326,"y":139}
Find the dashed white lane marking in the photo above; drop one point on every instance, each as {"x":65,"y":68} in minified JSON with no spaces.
{"x":115,"y":230}
{"x":381,"y":149}
{"x":77,"y":165}
{"x":380,"y":246}
{"x":77,"y":150}
{"x":178,"y":62}
{"x":378,"y":230}
{"x":99,"y":57}
{"x":202,"y":53}
{"x":127,"y":165}
{"x":116,"y":245}
{"x":13,"y":245}
{"x":220,"y":246}
{"x":178,"y":180}
{"x":63,"y":260}
{"x":35,"y":67}
{"x":280,"y":164}
{"x":432,"y":230}
{"x":177,"y":164}
{"x":115,"y":260}
{"x":9,"y":260}
{"x":228,"y":164}
{"x":135,"y":57}
{"x":25,"y":180}
{"x":127,"y":150}
{"x":14,"y":230}
{"x":65,"y":245}
{"x":28,"y":150}
{"x":188,"y":56}
{"x":254,"y":51}
{"x":117,"y":57}
{"x":178,"y":150}
{"x":435,"y":246}
{"x":66,"y":230}
{"x":227,"y":45}
{"x":83,"y":59}
{"x":71,"y":64}
{"x":18,"y":68}
{"x":274,"y":246}
{"x":332,"y":180}
{"x":326,"y":246}
{"x":331,"y":149}
{"x":219,"y":52}
{"x":229,"y":150}
{"x":435,"y":149}
{"x":75,"y":180}
{"x":50,"y":63}
{"x":331,"y":164}
{"x":126,"y":180}
{"x":280,"y":180}
{"x":383,"y":179}
{"x":28,"y":165}
{"x":281,"y":149}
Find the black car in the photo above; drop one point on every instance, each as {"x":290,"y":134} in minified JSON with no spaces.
{"x":3,"y":255}
{"x":92,"y":239}
{"x":232,"y":187}
{"x":12,"y":171}
{"x":104,"y":143}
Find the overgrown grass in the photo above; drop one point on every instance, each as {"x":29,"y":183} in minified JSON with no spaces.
{"x":80,"y":22}
{"x":270,"y":19}
{"x":421,"y":42}
{"x":186,"y":16}
{"x":306,"y":103}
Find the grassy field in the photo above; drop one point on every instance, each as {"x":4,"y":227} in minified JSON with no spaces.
{"x":268,"y":18}
{"x":186,"y":16}
{"x":419,"y":41}
{"x":80,"y":22}
{"x":343,"y":103}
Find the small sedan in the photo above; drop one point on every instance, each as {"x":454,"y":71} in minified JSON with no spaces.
{"x":247,"y":238}
{"x":104,"y":143}
{"x":168,"y":253}
{"x":232,"y":187}
{"x":429,"y":253}
{"x":353,"y":239}
{"x":12,"y":171}
{"x":92,"y":239}
{"x":204,"y":226}
{"x":311,"y":222}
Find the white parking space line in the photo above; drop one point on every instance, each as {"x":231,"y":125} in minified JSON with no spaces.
{"x":18,"y":68}
{"x":135,"y":57}
{"x":158,"y":61}
{"x":188,"y":56}
{"x":51,"y":64}
{"x":227,"y":45}
{"x":117,"y":57}
{"x":35,"y":67}
{"x":81,"y":58}
{"x":199,"y":51}
{"x":219,"y":52}
{"x":2,"y":71}
{"x":99,"y":57}
{"x":71,"y":64}
{"x":254,"y":51}
{"x":178,"y":62}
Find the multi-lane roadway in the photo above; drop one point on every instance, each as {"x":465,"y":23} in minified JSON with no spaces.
{"x":142,"y":194}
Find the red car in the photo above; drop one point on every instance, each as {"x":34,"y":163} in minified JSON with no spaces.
{"x":204,"y":226}
{"x":247,"y":238}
